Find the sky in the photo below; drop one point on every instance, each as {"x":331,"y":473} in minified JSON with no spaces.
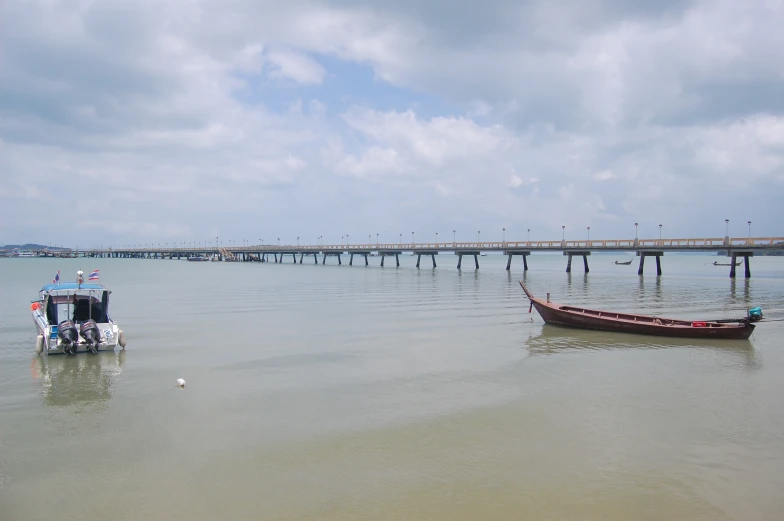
{"x":151,"y":122}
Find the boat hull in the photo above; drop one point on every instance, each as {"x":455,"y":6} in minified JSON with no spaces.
{"x":109,"y":335}
{"x":582,"y":318}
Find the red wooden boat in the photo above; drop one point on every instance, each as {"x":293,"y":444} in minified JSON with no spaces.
{"x":570,"y":316}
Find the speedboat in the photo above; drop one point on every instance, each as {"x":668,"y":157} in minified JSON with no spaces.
{"x":73,"y":317}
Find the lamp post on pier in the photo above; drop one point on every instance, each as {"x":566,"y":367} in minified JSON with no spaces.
{"x":749,"y":223}
{"x":504,"y":236}
{"x":454,"y":241}
{"x":528,"y":237}
{"x":589,"y":235}
{"x":436,"y":239}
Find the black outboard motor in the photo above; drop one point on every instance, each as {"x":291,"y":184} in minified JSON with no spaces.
{"x":91,"y":334}
{"x":68,"y":335}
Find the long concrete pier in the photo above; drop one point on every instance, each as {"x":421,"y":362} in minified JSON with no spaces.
{"x":733,"y":248}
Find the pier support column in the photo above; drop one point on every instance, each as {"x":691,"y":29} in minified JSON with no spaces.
{"x":382,"y":260}
{"x":476,"y":260}
{"x":340,"y":263}
{"x":351,"y":259}
{"x":419,"y":257}
{"x":509,"y":262}
{"x":525,"y":262}
{"x":573,"y":253}
{"x":315,"y":259}
{"x":643,"y":254}
{"x":325,"y":259}
{"x":747,"y":265}
{"x":585,"y":262}
{"x":397,"y":260}
{"x":366,"y":261}
{"x":459,"y":260}
{"x":301,"y":256}
{"x":434,"y":260}
{"x":294,"y":257}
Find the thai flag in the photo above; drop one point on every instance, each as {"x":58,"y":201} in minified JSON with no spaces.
{"x":94,"y":275}
{"x":56,"y":279}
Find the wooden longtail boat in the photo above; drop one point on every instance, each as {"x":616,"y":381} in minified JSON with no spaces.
{"x":624,"y":263}
{"x":581,"y":318}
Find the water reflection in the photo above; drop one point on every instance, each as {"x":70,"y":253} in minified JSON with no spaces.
{"x":69,"y":380}
{"x":552,"y":340}
{"x":657,"y":289}
{"x":746,"y":289}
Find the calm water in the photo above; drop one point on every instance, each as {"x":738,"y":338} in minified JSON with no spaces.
{"x":336,"y":393}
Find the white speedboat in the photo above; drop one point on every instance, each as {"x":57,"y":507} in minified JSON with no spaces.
{"x":73,"y":317}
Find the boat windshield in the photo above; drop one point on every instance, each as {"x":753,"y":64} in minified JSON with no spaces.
{"x":77,"y":306}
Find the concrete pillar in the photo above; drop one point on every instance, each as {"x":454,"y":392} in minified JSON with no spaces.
{"x":525,"y":262}
{"x":569,"y":264}
{"x":459,"y":260}
{"x":366,"y":261}
{"x":642,"y":263}
{"x":658,"y":266}
{"x":732,"y":266}
{"x":419,"y":257}
{"x":397,"y":260}
{"x":509,"y":263}
{"x":434,"y":260}
{"x":476,"y":260}
{"x":351,"y":259}
{"x":585,"y":262}
{"x":748,"y":266}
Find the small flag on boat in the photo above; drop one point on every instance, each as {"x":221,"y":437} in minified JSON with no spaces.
{"x":94,"y":275}
{"x":56,"y":279}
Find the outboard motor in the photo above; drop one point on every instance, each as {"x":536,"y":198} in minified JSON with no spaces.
{"x":91,"y":334}
{"x":66,"y":332}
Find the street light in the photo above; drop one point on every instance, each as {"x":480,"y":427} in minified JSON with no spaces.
{"x":749,"y":223}
{"x":528,"y":237}
{"x":635,"y":231}
{"x":726,"y":227}
{"x":660,"y":239}
{"x":412,"y":239}
{"x":589,"y":234}
{"x":504,"y":237}
{"x":477,"y":237}
{"x":454,"y":241}
{"x":376,"y":240}
{"x":400,"y":241}
{"x":563,"y":233}
{"x":436,"y":239}
{"x":297,"y":242}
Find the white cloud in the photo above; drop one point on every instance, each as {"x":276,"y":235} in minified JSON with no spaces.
{"x":295,"y":66}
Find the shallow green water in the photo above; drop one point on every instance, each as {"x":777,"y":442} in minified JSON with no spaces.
{"x":337,"y":392}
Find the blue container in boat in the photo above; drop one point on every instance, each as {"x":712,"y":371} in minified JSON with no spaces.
{"x":755,"y":312}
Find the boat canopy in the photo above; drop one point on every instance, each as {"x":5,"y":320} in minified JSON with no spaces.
{"x":70,"y":287}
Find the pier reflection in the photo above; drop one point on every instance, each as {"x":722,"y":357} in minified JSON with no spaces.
{"x":552,"y":340}
{"x":70,"y":380}
{"x":746,"y":283}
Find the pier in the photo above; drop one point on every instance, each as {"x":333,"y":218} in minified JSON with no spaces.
{"x":733,"y":248}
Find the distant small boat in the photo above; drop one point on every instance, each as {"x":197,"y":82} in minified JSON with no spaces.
{"x":624,"y":263}
{"x":582,"y":318}
{"x":716,"y":263}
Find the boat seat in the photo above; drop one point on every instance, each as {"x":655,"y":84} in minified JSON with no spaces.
{"x":84,"y":311}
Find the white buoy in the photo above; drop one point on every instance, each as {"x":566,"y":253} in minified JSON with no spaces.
{"x":181,"y":382}
{"x":39,"y":344}
{"x":121,"y":338}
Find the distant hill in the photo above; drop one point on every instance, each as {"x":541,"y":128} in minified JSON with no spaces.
{"x":30,"y":246}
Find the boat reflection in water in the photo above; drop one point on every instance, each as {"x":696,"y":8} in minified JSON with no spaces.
{"x":553,"y":340}
{"x":78,"y":380}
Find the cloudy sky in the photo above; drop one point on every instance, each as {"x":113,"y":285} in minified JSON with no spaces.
{"x":132,"y":122}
